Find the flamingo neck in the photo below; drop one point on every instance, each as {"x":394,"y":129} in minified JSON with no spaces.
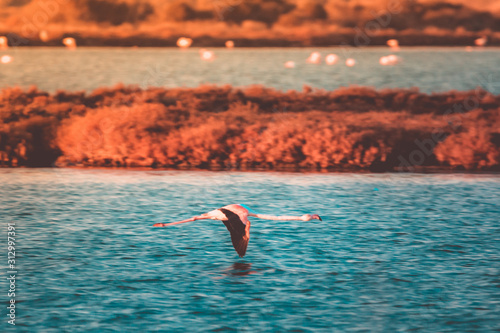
{"x":277,"y":218}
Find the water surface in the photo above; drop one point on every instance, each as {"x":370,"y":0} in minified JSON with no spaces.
{"x":431,"y":69}
{"x":394,"y":252}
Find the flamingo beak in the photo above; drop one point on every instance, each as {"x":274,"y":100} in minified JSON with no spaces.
{"x":319,"y":218}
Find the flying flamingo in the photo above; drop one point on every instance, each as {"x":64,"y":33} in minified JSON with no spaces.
{"x":235,"y":218}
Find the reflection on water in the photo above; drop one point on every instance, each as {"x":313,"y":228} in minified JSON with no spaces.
{"x":241,"y":269}
{"x":394,"y":252}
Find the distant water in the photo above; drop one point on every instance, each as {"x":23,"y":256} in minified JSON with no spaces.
{"x":431,"y":69}
{"x":394,"y":253}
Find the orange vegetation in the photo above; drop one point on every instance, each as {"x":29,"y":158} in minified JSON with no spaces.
{"x":210,"y":127}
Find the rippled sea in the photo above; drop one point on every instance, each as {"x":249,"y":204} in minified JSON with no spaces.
{"x":394,"y":252}
{"x":431,"y":69}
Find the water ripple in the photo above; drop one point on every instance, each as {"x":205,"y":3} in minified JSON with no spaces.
{"x":419,"y":254}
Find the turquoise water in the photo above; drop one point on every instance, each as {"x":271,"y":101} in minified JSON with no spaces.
{"x":431,"y":69}
{"x":394,"y":252}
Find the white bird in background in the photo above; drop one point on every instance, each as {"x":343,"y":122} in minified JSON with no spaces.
{"x":184,"y":42}
{"x":4,"y":42}
{"x":393,"y":44}
{"x":389,"y":60}
{"x":43,"y":35}
{"x":350,"y":62}
{"x":481,"y":41}
{"x":5,"y":59}
{"x":235,"y":218}
{"x":331,"y":59}
{"x":70,"y":43}
{"x":206,"y":55}
{"x":314,"y":58}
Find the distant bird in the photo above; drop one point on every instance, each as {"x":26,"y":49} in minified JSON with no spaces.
{"x":289,"y":64}
{"x":481,"y":41}
{"x":5,"y":59}
{"x":4,"y":42}
{"x":184,"y":42}
{"x":206,"y":55}
{"x":350,"y":62}
{"x":70,"y":43}
{"x":229,"y":44}
{"x":43,"y":35}
{"x":235,"y":218}
{"x":314,"y":58}
{"x":389,"y":60}
{"x":331,"y":59}
{"x":393,"y":44}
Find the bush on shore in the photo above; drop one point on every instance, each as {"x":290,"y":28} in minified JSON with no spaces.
{"x":210,"y":127}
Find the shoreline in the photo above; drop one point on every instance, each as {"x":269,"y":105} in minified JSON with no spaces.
{"x":417,"y":171}
{"x":329,"y":47}
{"x":327,"y":40}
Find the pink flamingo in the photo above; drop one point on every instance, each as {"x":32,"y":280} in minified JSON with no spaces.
{"x":481,"y":41}
{"x":4,"y":42}
{"x":235,"y":218}
{"x":393,"y":44}
{"x":350,"y":62}
{"x":70,"y":43}
{"x":184,"y":42}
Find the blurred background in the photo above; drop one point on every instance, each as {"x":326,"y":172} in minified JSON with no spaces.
{"x":251,"y":22}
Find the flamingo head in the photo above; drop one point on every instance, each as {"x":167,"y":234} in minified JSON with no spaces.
{"x":309,"y":217}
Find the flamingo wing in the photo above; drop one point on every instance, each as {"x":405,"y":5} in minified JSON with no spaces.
{"x":239,"y":231}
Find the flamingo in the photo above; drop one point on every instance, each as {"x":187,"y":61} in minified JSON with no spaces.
{"x":4,"y":42}
{"x":393,"y":44}
{"x":350,"y":62}
{"x":389,"y":60}
{"x":184,"y":42}
{"x":206,"y":55}
{"x":235,"y":218}
{"x":331,"y":59}
{"x":43,"y":35}
{"x":481,"y":41}
{"x":5,"y":59}
{"x":70,"y":43}
{"x":314,"y":58}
